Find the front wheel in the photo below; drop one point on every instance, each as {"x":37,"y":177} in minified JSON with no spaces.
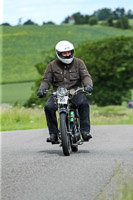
{"x":66,"y":146}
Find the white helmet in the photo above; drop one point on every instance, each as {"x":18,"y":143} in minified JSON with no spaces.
{"x":64,"y":46}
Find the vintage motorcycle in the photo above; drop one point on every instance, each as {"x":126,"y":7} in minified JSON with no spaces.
{"x":69,"y":136}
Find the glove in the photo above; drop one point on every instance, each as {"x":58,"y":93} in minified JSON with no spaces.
{"x":41,"y":93}
{"x":88,"y":88}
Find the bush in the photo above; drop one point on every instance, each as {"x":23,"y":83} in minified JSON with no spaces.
{"x":110,"y":62}
{"x":5,"y":24}
{"x":29,"y":22}
{"x":110,"y":21}
{"x":93,"y":20}
{"x":122,"y":23}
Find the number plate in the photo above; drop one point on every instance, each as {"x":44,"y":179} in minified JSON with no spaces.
{"x":63,"y":100}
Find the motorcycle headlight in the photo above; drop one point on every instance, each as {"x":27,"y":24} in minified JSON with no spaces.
{"x":61,"y":92}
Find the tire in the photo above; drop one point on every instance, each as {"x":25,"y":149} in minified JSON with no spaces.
{"x":66,"y":146}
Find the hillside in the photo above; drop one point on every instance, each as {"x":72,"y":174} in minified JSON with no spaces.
{"x":23,"y":46}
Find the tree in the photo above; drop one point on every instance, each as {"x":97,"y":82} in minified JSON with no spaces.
{"x":49,"y":22}
{"x":29,"y":22}
{"x":103,"y":14}
{"x":93,"y":20}
{"x":66,"y":20}
{"x":110,"y":62}
{"x":130,"y":14}
{"x":5,"y":24}
{"x":79,"y":19}
{"x":122,"y":23}
{"x":110,"y":21}
{"x":118,"y":13}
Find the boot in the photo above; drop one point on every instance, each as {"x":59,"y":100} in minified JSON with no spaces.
{"x":53,"y":138}
{"x":86,"y":136}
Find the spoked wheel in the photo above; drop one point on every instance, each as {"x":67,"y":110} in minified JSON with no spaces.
{"x":66,"y":145}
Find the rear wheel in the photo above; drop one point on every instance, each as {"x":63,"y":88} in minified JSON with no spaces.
{"x":66,"y":146}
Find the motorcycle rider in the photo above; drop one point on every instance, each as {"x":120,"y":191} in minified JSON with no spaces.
{"x":69,"y":72}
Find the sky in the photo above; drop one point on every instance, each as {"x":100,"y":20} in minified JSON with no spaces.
{"x":40,"y":11}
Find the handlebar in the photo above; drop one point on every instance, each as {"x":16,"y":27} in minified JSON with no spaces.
{"x":72,"y":92}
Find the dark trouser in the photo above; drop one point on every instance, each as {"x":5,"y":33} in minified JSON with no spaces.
{"x":80,"y":101}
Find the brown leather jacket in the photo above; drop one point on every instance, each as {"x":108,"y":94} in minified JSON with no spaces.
{"x":69,"y":76}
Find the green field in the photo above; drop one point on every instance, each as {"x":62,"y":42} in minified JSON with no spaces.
{"x":16,"y":93}
{"x":131,"y":22}
{"x":23,"y":45}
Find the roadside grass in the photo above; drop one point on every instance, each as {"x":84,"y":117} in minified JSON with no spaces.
{"x":119,"y":187}
{"x":126,"y":192}
{"x":111,"y":115}
{"x":20,"y":118}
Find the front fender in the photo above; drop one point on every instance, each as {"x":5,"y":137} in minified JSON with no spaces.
{"x":62,"y":110}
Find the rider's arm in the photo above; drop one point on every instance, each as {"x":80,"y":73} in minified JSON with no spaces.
{"x":47,"y":78}
{"x":84,"y":74}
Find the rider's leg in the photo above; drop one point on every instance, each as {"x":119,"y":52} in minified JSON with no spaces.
{"x":50,"y":112}
{"x":81,"y":102}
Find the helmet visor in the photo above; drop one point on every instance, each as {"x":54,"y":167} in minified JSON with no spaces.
{"x":60,"y":54}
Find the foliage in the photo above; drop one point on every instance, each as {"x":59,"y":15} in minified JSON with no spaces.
{"x":5,"y":24}
{"x":119,"y":12}
{"x":93,"y":20}
{"x":110,"y":21}
{"x":78,"y":18}
{"x":49,"y":22}
{"x":122,"y":23}
{"x":103,"y":14}
{"x":106,"y":13}
{"x":29,"y":22}
{"x":130,"y":14}
{"x":110,"y":62}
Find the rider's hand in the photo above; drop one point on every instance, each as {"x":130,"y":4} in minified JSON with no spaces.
{"x":88,"y":88}
{"x":41,"y":93}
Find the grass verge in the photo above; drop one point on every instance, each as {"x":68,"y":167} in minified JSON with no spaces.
{"x":20,"y":118}
{"x":111,"y":115}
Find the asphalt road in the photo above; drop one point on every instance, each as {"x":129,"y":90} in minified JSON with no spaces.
{"x":35,"y":170}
